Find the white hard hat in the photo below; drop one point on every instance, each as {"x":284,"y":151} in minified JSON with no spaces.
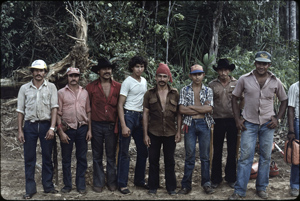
{"x":39,"y":64}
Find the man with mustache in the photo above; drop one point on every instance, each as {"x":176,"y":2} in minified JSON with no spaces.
{"x":75,"y":111}
{"x":104,"y":94}
{"x":196,"y":104}
{"x":258,"y":121}
{"x":159,"y":118}
{"x":222,"y":88}
{"x":37,"y":105}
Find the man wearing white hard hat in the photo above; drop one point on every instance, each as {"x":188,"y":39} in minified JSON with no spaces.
{"x":37,"y":106}
{"x":75,"y":112}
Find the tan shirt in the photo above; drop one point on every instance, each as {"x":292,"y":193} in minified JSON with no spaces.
{"x":222,"y":98}
{"x":259,"y":107}
{"x":72,"y":109}
{"x":36,"y":104}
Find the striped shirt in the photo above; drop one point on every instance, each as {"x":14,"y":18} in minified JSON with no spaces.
{"x":187,"y":98}
{"x":293,"y":95}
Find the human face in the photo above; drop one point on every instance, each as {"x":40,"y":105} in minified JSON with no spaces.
{"x":137,"y":70}
{"x":197,"y":77}
{"x":223,"y":73}
{"x":162,"y":79}
{"x":73,"y":79}
{"x":38,"y":74}
{"x":262,"y":67}
{"x":105,"y":73}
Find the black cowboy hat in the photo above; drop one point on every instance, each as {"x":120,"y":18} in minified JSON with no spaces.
{"x":102,"y":63}
{"x":224,"y":63}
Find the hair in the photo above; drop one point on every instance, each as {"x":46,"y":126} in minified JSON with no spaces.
{"x":137,"y":60}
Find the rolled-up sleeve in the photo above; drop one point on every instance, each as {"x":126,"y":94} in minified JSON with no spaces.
{"x":21,"y":100}
{"x":54,"y":99}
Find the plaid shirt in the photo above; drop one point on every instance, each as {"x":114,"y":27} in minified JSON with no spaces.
{"x":187,"y":98}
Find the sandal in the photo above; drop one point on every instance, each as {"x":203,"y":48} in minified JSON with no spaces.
{"x":28,"y":196}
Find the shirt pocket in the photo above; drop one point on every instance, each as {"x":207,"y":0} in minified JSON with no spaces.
{"x":153,"y":104}
{"x":172,"y":105}
{"x":270,"y":92}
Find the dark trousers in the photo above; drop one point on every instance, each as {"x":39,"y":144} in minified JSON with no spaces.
{"x":33,"y":131}
{"x":169,"y":146}
{"x":224,"y":126}
{"x":103,"y":133}
{"x":79,"y":137}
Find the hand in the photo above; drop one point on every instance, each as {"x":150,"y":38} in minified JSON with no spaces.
{"x":273,"y":124}
{"x":64,"y":138}
{"x":147,"y":141}
{"x":21,"y":136}
{"x":291,"y":136}
{"x":126,"y":131}
{"x":240,"y":125}
{"x":49,"y":135}
{"x":178,"y":137}
{"x":206,"y":102}
{"x":88,"y":135}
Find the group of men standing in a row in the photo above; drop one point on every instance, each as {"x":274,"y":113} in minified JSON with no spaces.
{"x":109,"y":114}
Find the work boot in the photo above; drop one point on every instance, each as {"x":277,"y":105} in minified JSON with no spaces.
{"x":294,"y":192}
{"x":262,"y":194}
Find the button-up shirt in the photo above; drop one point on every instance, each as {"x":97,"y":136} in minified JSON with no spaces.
{"x":294,"y":98}
{"x":222,"y":98}
{"x":187,"y":99}
{"x":162,"y":123}
{"x":74,"y":109}
{"x":36,"y":103}
{"x":259,"y":107}
{"x":104,"y":109}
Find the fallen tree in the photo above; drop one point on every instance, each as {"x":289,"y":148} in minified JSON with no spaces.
{"x":78,"y":57}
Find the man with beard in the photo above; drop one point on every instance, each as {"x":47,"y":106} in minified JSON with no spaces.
{"x":37,"y":105}
{"x":130,"y":109}
{"x":222,"y":88}
{"x":159,"y":118}
{"x":75,"y":111}
{"x":104,"y":94}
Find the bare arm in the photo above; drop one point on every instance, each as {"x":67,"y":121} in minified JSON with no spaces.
{"x":236,"y":113}
{"x":179,"y":124}
{"x":282,"y":109}
{"x":20,"y":127}
{"x":89,"y":132}
{"x":125,"y":129}
{"x":50,"y":133}
{"x":64,"y":138}
{"x":147,"y":141}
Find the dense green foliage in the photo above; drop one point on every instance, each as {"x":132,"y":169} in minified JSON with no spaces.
{"x":122,"y":29}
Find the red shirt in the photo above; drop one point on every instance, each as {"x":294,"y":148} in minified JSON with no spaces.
{"x":104,"y":109}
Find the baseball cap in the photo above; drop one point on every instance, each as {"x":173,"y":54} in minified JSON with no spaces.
{"x":72,"y":70}
{"x":263,"y":56}
{"x":196,"y":69}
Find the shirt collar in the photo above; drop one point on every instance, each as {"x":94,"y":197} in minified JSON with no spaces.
{"x":269,"y":72}
{"x":44,"y":83}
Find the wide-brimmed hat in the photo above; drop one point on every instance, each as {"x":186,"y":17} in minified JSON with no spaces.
{"x":263,"y":56}
{"x":224,"y":63}
{"x":102,"y":63}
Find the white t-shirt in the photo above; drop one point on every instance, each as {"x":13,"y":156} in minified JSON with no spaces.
{"x":134,"y":92}
{"x":293,"y":100}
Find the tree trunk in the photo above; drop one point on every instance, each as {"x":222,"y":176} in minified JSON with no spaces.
{"x":293,"y":34}
{"x":287,"y":24}
{"x":156,"y":10}
{"x":217,"y":19}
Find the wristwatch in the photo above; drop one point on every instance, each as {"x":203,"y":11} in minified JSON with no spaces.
{"x":51,"y":128}
{"x":279,"y":121}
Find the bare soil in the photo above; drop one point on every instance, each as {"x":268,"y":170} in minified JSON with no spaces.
{"x":13,"y":175}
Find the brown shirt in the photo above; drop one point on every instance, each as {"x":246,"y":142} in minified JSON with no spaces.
{"x":222,"y":98}
{"x":259,"y":107}
{"x":162,"y":123}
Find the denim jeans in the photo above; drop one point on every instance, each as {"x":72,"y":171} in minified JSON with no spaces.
{"x":79,"y":137}
{"x":33,"y":131}
{"x":169,"y":146}
{"x":248,"y":142}
{"x":224,"y":126}
{"x":200,"y":130}
{"x":294,"y":179}
{"x":133,"y":121}
{"x":104,"y":133}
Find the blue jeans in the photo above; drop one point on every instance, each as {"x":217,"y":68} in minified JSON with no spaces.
{"x":33,"y":131}
{"x":248,"y":142}
{"x":133,"y":121}
{"x":104,"y":133}
{"x":200,"y":130}
{"x":294,"y":179}
{"x":79,"y":137}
